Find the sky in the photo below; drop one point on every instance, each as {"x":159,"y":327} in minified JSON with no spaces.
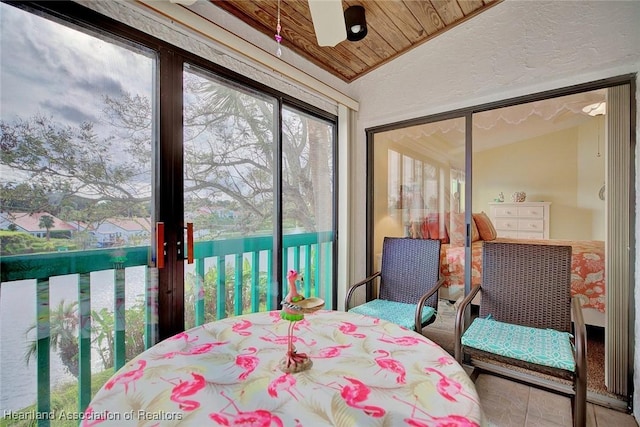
{"x":53,"y":70}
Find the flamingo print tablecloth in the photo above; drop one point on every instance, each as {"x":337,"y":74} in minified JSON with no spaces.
{"x":366,"y":372}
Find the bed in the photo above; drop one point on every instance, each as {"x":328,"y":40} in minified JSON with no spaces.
{"x":587,"y":273}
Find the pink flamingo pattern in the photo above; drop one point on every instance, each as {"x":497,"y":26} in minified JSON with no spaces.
{"x":355,"y":394}
{"x":247,"y":362}
{"x":392,"y":365}
{"x":217,"y":375}
{"x":444,"y":361}
{"x":257,"y":418}
{"x":188,"y":388}
{"x":452,"y":420}
{"x":349,"y":328}
{"x":194,"y":351}
{"x":284,"y":339}
{"x":90,"y":419}
{"x":127,"y":377}
{"x":241,"y":327}
{"x":405,"y":340}
{"x":331,"y":352}
{"x":284,"y":382}
{"x":448,"y":387}
{"x":182,"y":336}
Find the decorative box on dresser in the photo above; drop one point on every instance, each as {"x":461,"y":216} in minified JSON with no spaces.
{"x":522,"y":220}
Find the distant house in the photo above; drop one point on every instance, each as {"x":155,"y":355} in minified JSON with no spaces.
{"x":30,"y":223}
{"x":120,"y":231}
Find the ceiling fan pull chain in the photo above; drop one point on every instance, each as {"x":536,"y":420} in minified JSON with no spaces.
{"x":278,"y":36}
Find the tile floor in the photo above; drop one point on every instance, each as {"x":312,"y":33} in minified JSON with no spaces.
{"x":511,"y":404}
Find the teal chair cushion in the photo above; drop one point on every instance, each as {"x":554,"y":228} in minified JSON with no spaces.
{"x":396,"y":312}
{"x":545,"y":347}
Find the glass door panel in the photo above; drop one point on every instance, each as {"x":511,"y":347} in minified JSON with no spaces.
{"x":228,"y":197}
{"x":307,"y":199}
{"x":419,"y":192}
{"x":78,"y":297}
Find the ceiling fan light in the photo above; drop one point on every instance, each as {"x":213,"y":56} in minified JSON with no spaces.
{"x":596,"y":109}
{"x":356,"y":24}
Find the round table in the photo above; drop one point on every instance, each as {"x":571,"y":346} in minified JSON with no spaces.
{"x":365,"y":372}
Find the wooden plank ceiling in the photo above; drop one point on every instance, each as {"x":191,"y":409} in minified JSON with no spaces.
{"x":394,"y":27}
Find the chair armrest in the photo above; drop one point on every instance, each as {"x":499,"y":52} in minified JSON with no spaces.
{"x":353,"y":288}
{"x":423,"y":300}
{"x":580,"y":335}
{"x":459,"y":328}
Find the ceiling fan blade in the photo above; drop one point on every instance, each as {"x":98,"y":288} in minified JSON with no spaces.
{"x":184,"y":2}
{"x":328,"y":21}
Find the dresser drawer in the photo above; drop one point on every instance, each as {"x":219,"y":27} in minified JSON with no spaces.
{"x":506,"y":211}
{"x":506,"y":224}
{"x":521,"y":220}
{"x":509,"y":234}
{"x":530,"y":235}
{"x":531,"y":225}
{"x":530,"y":212}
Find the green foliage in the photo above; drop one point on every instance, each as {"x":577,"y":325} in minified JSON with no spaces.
{"x":16,"y":243}
{"x":103,"y":325}
{"x":210,"y":285}
{"x":63,"y":398}
{"x":46,"y":222}
{"x":64,"y":321}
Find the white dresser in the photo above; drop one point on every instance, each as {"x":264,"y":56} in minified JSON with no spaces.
{"x":524,"y":220}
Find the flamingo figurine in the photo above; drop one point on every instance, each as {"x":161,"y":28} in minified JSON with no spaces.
{"x":294,"y":306}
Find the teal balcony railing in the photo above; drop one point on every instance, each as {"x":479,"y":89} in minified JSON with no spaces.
{"x":235,"y":263}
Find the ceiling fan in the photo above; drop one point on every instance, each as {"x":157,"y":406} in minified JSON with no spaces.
{"x":333,"y":25}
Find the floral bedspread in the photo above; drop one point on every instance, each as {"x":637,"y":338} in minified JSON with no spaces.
{"x":587,"y":268}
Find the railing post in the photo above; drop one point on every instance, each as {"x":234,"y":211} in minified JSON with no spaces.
{"x":84,"y":341}
{"x":238,"y":286}
{"x":270,"y":298}
{"x":43,"y":337}
{"x":199,"y":291}
{"x":151,"y":307}
{"x":307,"y":270}
{"x":119,"y":314}
{"x":221,"y":291}
{"x":255,"y":282}
{"x":328,"y":268}
{"x":316,"y":261}
{"x":296,"y":258}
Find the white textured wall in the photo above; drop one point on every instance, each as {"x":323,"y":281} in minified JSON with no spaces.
{"x":515,"y":48}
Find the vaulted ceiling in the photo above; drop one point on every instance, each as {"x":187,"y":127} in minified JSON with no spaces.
{"x":394,"y":27}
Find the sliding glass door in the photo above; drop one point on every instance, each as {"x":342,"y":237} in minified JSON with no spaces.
{"x":77,"y":148}
{"x":144,"y":190}
{"x":419,"y":191}
{"x":229,"y":171}
{"x":552,"y":168}
{"x":308,"y":207}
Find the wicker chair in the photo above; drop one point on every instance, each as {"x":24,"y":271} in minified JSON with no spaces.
{"x":525,"y":318}
{"x":409,"y":283}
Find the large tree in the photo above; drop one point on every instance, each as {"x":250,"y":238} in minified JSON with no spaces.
{"x":228,"y":151}
{"x":46,"y":222}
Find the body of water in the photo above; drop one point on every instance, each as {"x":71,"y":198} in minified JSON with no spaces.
{"x":18,"y":381}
